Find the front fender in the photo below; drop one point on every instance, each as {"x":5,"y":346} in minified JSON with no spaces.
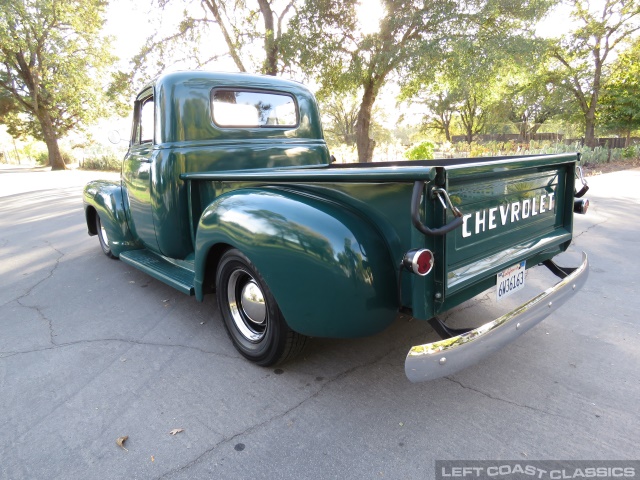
{"x":104,"y":198}
{"x":329,"y":269}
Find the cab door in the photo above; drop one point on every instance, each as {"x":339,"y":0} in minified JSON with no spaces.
{"x":137,"y":171}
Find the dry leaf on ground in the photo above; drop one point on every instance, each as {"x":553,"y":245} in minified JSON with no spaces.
{"x":175,"y":431}
{"x":120,"y":442}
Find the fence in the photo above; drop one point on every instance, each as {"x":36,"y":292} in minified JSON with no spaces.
{"x":610,"y":142}
{"x":509,"y":137}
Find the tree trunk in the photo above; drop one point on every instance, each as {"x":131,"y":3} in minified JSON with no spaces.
{"x":627,"y":141}
{"x":524,"y":133}
{"x":590,"y":131}
{"x":468,"y":118}
{"x":446,"y":126}
{"x":214,"y":7}
{"x":270,"y":66}
{"x":534,"y":130}
{"x":363,"y":142}
{"x":447,"y":132}
{"x":50,"y":138}
{"x":590,"y":114}
{"x":469,"y":136}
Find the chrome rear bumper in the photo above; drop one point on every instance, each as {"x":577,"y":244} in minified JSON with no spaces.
{"x":445,"y":357}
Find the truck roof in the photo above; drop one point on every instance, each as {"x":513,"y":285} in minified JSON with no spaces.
{"x":224,"y":78}
{"x":183,"y":101}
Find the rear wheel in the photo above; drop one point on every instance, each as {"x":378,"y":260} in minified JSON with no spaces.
{"x":251,"y":315}
{"x":103,"y":238}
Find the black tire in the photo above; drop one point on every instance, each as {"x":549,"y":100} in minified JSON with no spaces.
{"x":103,"y":238}
{"x":251,"y":315}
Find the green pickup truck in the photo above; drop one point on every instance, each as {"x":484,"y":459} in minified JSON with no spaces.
{"x":228,"y":187}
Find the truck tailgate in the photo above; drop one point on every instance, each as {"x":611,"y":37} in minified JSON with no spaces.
{"x":513,"y":211}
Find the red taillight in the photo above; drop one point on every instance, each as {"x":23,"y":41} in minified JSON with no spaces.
{"x":419,"y":262}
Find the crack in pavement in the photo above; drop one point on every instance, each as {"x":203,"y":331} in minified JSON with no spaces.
{"x":42,"y":316}
{"x":280,"y":415}
{"x":37,"y":284}
{"x":516,"y":404}
{"x":605,"y":220}
{"x":49,"y":275}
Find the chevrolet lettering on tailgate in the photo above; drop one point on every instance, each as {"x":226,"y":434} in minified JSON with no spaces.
{"x":509,"y":213}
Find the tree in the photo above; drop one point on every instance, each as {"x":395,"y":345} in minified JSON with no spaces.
{"x":473,"y":113}
{"x":439,"y":99}
{"x":412,"y":38}
{"x":620,"y":101}
{"x":51,"y":63}
{"x":341,"y":115}
{"x":442,"y":106}
{"x":242,"y":29}
{"x":531,"y":99}
{"x":584,"y":53}
{"x":470,"y":77}
{"x":242,"y":24}
{"x":340,"y":118}
{"x":334,"y":48}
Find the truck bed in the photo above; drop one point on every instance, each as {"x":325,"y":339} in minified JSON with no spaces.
{"x":468,"y":258}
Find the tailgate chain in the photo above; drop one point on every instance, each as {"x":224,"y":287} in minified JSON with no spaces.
{"x":416,"y":197}
{"x":580,"y":176}
{"x":441,"y":192}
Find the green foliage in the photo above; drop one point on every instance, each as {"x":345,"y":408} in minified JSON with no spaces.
{"x":631,"y":152}
{"x":120,"y":92}
{"x":42,"y":157}
{"x":531,"y":99}
{"x":340,"y":114}
{"x":326,"y":40}
{"x":422,"y":151}
{"x":583,"y":55}
{"x":600,"y":155}
{"x":52,"y":62}
{"x":105,"y":162}
{"x":442,"y":104}
{"x":589,"y":156}
{"x":620,"y":102}
{"x":468,"y":81}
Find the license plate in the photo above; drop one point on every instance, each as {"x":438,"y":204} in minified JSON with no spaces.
{"x":510,"y":280}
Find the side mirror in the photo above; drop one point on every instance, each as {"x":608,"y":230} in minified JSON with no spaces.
{"x":114,"y":136}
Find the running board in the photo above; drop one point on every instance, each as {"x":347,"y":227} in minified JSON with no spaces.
{"x":161,"y":269}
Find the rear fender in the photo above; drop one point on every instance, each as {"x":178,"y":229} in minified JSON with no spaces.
{"x":104,"y":198}
{"x":329,"y":269}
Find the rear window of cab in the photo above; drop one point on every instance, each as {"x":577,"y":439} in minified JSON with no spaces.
{"x":242,"y":108}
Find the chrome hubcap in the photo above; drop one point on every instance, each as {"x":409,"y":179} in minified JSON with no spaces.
{"x":253,"y":303}
{"x":103,"y":235}
{"x":247,"y":305}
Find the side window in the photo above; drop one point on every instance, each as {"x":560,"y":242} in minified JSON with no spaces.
{"x":145,"y":122}
{"x":244,"y":108}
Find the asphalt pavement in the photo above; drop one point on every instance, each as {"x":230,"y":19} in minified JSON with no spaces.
{"x":92,"y":350}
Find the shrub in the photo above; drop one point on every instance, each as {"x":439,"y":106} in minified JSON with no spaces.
{"x":632,"y":151}
{"x":600,"y":155}
{"x":42,"y":157}
{"x":422,"y":151}
{"x":108,"y":162}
